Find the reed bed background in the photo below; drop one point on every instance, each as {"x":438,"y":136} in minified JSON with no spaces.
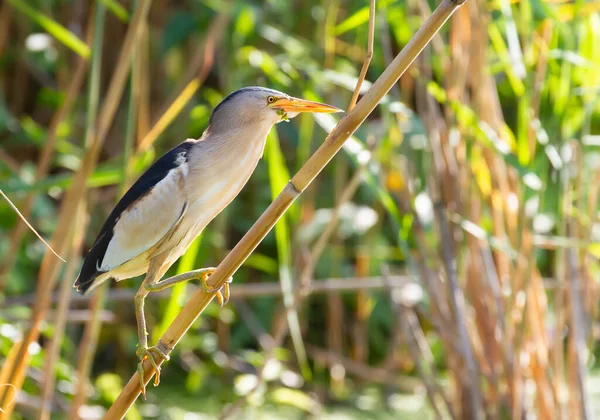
{"x":447,"y":260}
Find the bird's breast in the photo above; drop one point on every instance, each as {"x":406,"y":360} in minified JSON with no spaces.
{"x":222,"y":172}
{"x":217,"y":173}
{"x":214,"y":190}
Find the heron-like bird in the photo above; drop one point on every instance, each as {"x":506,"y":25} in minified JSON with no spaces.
{"x":171,"y":203}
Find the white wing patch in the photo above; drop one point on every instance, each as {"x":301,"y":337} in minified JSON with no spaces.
{"x":147,"y":220}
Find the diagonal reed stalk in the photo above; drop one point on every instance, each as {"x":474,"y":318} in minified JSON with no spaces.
{"x":31,"y":228}
{"x":332,"y":144}
{"x":368,"y":57}
{"x":49,"y":269}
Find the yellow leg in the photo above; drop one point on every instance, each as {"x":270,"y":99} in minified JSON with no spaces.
{"x":155,"y":272}
{"x":222,"y":293}
{"x":151,"y":284}
{"x":142,"y":353}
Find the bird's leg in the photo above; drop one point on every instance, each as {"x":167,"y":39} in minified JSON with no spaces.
{"x":222,"y":293}
{"x":143,"y":351}
{"x":152,"y":284}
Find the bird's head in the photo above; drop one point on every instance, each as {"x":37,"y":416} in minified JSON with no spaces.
{"x":258,"y":105}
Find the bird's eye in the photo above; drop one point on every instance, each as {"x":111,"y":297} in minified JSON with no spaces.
{"x":271,"y":99}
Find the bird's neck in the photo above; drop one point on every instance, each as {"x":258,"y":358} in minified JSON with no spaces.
{"x":240,"y":147}
{"x":226,"y":161}
{"x":237,"y":134}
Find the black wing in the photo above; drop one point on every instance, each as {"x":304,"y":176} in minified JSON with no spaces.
{"x":156,"y":173}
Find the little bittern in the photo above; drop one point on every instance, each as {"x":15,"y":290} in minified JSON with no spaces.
{"x":171,"y":203}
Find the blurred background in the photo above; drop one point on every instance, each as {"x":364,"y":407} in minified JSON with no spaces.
{"x":446,"y":259}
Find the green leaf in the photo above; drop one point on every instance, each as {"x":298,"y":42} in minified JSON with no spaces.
{"x":116,"y":9}
{"x":502,"y":51}
{"x":55,"y":29}
{"x":101,"y":178}
{"x":357,"y":19}
{"x":485,"y":135}
{"x":361,"y":17}
{"x":523,"y":151}
{"x":262,"y":263}
{"x":245,"y":23}
{"x":295,"y":398}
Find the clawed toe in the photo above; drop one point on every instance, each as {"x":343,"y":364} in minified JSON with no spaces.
{"x":222,"y":293}
{"x":146,"y":353}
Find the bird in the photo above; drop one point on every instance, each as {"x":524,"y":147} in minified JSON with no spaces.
{"x":162,"y":213}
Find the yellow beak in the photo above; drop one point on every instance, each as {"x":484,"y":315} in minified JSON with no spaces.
{"x":302,"y":105}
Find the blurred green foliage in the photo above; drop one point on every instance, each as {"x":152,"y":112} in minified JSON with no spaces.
{"x":312,"y":49}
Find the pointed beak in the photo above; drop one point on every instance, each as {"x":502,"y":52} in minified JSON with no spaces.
{"x":302,"y":105}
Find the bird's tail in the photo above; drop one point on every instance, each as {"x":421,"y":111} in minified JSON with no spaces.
{"x":91,"y":283}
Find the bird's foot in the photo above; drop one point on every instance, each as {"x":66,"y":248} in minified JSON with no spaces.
{"x":146,"y":352}
{"x":222,"y":293}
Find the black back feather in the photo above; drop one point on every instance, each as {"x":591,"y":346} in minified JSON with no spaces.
{"x":156,"y":173}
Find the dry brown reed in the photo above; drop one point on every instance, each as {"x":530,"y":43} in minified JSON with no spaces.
{"x":490,"y":307}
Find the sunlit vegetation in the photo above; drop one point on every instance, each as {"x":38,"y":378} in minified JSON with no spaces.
{"x":446,"y":260}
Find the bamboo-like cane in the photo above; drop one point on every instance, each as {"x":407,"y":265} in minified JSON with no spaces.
{"x":332,"y":144}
